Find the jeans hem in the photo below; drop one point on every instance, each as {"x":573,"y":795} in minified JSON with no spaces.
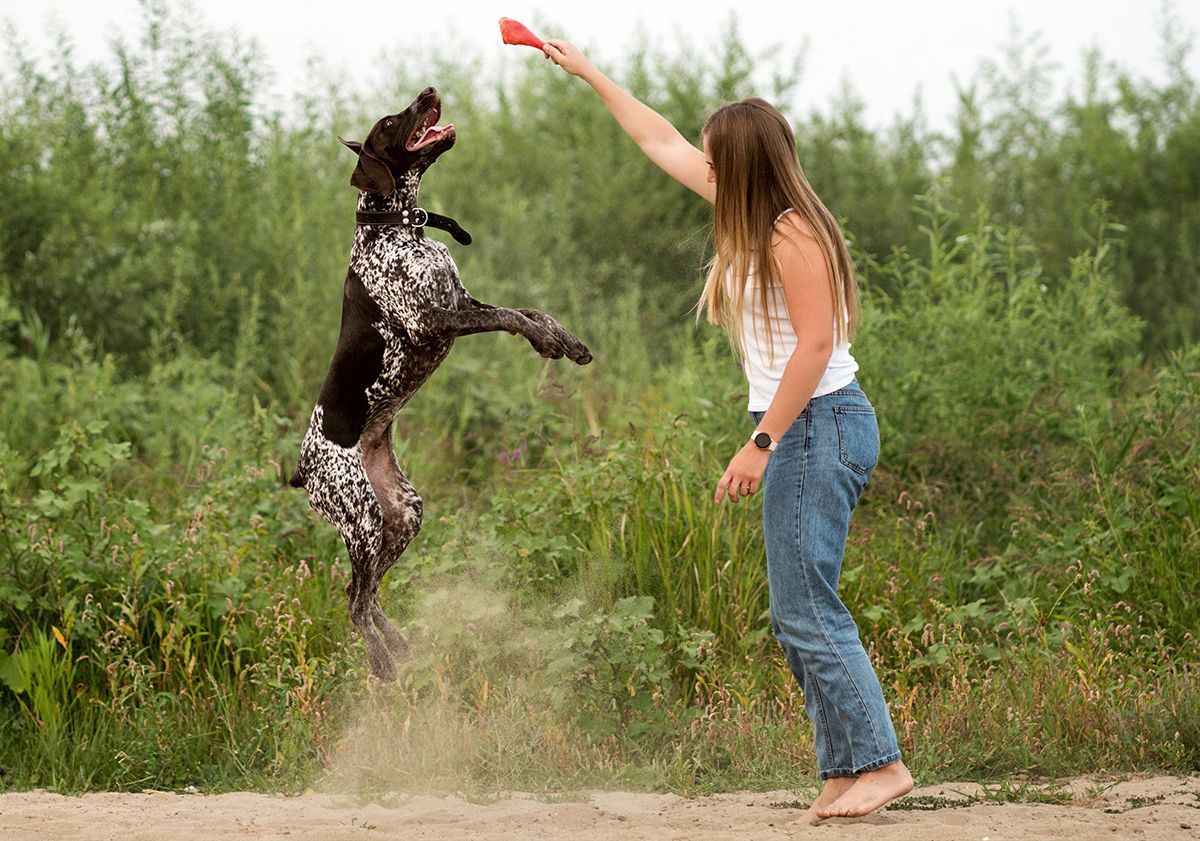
{"x":837,"y":772}
{"x":888,"y":759}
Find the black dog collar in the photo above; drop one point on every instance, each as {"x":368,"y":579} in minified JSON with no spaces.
{"x":418,"y":217}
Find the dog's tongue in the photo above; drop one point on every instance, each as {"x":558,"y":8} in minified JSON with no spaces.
{"x":433,"y":131}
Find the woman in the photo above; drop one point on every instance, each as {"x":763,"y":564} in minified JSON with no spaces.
{"x":783,"y":285}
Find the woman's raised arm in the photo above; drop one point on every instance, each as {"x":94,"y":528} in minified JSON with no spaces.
{"x":652,"y":132}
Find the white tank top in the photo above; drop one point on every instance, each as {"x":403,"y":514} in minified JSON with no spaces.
{"x":764,"y":372}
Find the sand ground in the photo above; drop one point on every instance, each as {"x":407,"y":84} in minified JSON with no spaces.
{"x":1141,"y":807}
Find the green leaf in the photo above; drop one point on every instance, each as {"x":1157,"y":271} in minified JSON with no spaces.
{"x":11,"y":673}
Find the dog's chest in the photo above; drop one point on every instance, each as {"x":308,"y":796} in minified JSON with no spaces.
{"x":408,"y":276}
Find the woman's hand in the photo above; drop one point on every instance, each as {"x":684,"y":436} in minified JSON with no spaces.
{"x":567,"y":56}
{"x":744,"y":474}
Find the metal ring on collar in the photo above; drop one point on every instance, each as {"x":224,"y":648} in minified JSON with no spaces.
{"x":419,"y":217}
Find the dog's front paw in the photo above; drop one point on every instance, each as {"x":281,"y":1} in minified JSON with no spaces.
{"x":556,"y":345}
{"x":569,"y":343}
{"x":578,"y":351}
{"x":546,"y":343}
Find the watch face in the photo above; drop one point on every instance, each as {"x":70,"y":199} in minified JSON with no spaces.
{"x":762,"y":440}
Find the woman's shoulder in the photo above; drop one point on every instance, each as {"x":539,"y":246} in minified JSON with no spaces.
{"x":792,"y":229}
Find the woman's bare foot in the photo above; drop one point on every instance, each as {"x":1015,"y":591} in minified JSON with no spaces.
{"x":870,"y":791}
{"x":834,"y":788}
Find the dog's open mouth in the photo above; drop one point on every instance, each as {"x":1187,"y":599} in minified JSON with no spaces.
{"x":427,"y":132}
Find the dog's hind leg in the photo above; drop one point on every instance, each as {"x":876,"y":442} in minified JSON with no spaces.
{"x":402,"y":508}
{"x":362,"y":599}
{"x":339,"y":490}
{"x":392,"y":636}
{"x":363,"y":537}
{"x":361,"y":531}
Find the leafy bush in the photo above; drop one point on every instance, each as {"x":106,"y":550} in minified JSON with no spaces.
{"x":1020,"y":565}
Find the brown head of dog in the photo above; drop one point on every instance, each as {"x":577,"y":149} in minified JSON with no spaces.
{"x":401,"y":144}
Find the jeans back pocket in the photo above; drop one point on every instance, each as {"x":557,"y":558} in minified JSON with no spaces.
{"x":858,"y":437}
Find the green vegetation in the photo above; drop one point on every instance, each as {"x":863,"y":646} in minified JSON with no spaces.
{"x":1023,"y":565}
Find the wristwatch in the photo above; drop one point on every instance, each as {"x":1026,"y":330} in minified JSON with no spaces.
{"x":763,"y":441}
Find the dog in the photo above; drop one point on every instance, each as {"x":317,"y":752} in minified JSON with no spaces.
{"x":403,"y":307}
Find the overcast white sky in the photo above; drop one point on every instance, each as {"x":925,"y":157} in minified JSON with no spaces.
{"x":888,"y":49}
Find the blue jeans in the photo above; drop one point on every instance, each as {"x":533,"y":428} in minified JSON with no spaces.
{"x":812,"y":483}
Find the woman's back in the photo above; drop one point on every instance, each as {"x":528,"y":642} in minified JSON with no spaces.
{"x":764,"y":359}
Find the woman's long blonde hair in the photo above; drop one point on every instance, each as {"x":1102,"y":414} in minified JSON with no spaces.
{"x":758,"y":177}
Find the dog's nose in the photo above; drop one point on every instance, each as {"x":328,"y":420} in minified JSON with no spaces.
{"x":429,"y":91}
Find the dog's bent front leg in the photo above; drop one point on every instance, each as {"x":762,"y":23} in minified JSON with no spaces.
{"x":442,"y":322}
{"x":541,"y":332}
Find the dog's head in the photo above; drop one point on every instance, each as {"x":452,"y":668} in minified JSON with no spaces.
{"x":401,"y":143}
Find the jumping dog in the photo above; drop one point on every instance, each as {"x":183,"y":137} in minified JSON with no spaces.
{"x":403,"y":307}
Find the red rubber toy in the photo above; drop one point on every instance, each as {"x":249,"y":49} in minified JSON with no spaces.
{"x":515,"y":32}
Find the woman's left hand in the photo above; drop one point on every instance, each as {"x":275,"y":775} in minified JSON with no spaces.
{"x":744,"y":474}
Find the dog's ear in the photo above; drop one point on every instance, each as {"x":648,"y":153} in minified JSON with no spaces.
{"x":353,"y":145}
{"x":371,"y":174}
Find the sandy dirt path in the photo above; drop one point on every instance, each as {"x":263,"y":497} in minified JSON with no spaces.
{"x":1144,"y":808}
